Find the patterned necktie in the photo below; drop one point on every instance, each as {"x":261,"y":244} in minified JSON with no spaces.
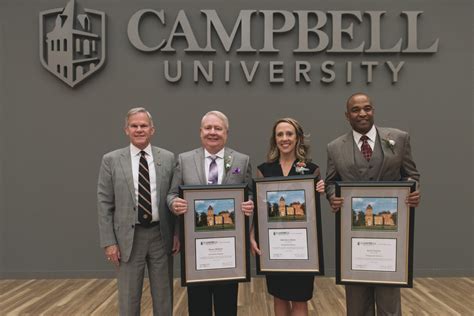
{"x":365,"y":148}
{"x":144,"y":195}
{"x":213,"y":174}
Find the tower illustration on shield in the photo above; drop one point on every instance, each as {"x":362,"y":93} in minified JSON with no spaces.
{"x":72,"y":42}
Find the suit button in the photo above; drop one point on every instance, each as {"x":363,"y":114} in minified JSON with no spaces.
{"x":134,"y":208}
{"x":370,"y":167}
{"x":133,"y":226}
{"x":371,"y":178}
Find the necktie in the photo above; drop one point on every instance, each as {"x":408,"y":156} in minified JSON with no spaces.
{"x":213,"y":174}
{"x":144,"y":195}
{"x":365,"y":148}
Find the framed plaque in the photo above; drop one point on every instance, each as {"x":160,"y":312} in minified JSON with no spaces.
{"x":214,"y":235}
{"x":288,"y":225}
{"x":374,"y":234}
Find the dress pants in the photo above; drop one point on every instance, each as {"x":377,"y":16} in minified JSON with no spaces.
{"x":202,"y":297}
{"x":361,"y":300}
{"x":148,"y":250}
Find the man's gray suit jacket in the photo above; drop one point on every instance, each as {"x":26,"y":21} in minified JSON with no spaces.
{"x":189,"y":170}
{"x":117,"y":205}
{"x":397,"y":161}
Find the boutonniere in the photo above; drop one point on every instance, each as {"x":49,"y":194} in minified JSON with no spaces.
{"x":227,"y":163}
{"x":390,"y":143}
{"x":300,"y":167}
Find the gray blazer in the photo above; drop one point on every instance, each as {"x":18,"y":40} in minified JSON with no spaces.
{"x":116,"y":201}
{"x":189,"y":170}
{"x":397,"y":162}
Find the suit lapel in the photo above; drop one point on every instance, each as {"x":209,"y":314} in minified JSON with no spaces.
{"x":199,"y":160}
{"x":158,"y":171}
{"x":126,"y":163}
{"x":227,"y":153}
{"x":348,"y":153}
{"x":387,"y":152}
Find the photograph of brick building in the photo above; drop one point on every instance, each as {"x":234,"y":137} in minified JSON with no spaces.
{"x":286,"y":205}
{"x":214,"y":214}
{"x":379,"y":213}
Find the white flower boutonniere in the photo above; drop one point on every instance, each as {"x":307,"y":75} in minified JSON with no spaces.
{"x":390,"y":143}
{"x":227,"y":163}
{"x":300,"y":167}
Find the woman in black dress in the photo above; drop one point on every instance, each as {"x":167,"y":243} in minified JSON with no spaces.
{"x":288,"y":156}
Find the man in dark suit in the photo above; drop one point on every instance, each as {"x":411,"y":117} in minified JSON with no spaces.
{"x":370,"y":153}
{"x":135,"y":225}
{"x":208,"y":165}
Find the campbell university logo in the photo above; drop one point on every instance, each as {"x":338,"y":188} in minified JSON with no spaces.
{"x":72,"y":42}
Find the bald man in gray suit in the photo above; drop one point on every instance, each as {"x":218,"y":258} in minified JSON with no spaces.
{"x":370,"y":153}
{"x":135,"y":225}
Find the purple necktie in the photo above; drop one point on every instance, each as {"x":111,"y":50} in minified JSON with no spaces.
{"x":213,"y":174}
{"x":365,"y":148}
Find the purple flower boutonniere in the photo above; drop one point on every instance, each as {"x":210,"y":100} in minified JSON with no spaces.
{"x":300,"y":167}
{"x":390,"y":143}
{"x":236,"y":171}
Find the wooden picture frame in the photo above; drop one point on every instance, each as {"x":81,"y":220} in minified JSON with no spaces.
{"x":214,"y":235}
{"x":288,"y":225}
{"x":374,"y":234}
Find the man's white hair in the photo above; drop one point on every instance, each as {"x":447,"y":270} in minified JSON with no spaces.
{"x":138,"y":110}
{"x":220,"y":115}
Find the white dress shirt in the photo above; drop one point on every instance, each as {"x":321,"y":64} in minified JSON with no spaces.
{"x":135,"y":154}
{"x":372,"y":135}
{"x":220,"y":164}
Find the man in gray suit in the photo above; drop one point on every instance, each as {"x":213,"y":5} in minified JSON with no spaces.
{"x":369,"y":153}
{"x":213,"y":163}
{"x":136,"y":227}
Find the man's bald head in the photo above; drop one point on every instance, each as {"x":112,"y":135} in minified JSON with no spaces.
{"x":360,"y":112}
{"x":357,"y":96}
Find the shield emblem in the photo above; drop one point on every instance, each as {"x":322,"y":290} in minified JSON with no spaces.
{"x":72,"y":42}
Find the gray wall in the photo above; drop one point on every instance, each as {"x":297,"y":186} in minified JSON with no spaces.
{"x":52,"y":137}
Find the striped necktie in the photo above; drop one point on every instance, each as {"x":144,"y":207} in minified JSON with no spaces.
{"x":144,"y":192}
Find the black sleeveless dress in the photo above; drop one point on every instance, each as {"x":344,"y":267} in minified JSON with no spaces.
{"x":289,"y":287}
